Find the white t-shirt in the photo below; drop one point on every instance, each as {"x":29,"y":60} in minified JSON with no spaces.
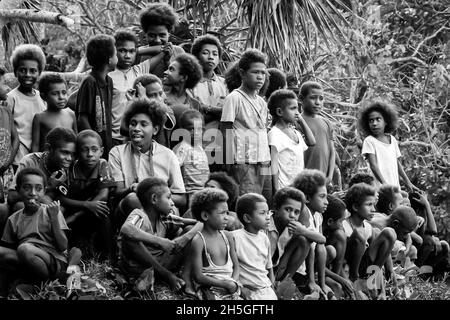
{"x":365,"y":232}
{"x":253,"y":252}
{"x":290,"y":155}
{"x":23,"y":109}
{"x":386,"y":155}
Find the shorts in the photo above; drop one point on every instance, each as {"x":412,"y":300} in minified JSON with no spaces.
{"x":266,"y":293}
{"x":56,"y":267}
{"x":251,"y":178}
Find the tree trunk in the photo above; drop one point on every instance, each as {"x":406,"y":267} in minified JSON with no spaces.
{"x":35,"y":16}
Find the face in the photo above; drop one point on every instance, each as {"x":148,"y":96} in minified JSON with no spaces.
{"x":90,"y":152}
{"x":113,"y":60}
{"x":163,"y":202}
{"x":27,"y":73}
{"x":397,"y":201}
{"x":318,"y":202}
{"x":218,"y":218}
{"x":260,"y":218}
{"x":195,"y":128}
{"x":155,"y":91}
{"x":290,"y":112}
{"x":313,"y":102}
{"x":289,"y":211}
{"x":336,"y":224}
{"x":172,"y":75}
{"x":126,"y":54}
{"x":57,"y":96}
{"x":157,"y":35}
{"x":255,"y":76}
{"x":31,"y":190}
{"x":213,"y":184}
{"x":63,"y":155}
{"x":209,"y":57}
{"x":367,"y":208}
{"x":376,"y":123}
{"x":141,"y":129}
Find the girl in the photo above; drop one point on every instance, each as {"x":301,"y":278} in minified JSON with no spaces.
{"x":377,"y":121}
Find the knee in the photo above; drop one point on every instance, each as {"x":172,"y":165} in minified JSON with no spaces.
{"x":331,"y":253}
{"x":129,"y":203}
{"x":389,"y":234}
{"x":445,"y":247}
{"x":413,"y":252}
{"x":24,"y":251}
{"x":301,"y":242}
{"x":428,"y":242}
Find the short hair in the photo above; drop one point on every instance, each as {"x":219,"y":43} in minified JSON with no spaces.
{"x":309,"y":180}
{"x":206,"y":200}
{"x":146,"y":79}
{"x":99,"y":49}
{"x":334,"y":209}
{"x":277,"y":80}
{"x":88,"y":133}
{"x":155,"y":110}
{"x":361,"y":177}
{"x":190,"y":67}
{"x":246,"y":204}
{"x":357,"y":194}
{"x":125,"y":35}
{"x":387,"y":110}
{"x":149,"y":186}
{"x":406,"y":216}
{"x":188,"y":115}
{"x":277,"y":100}
{"x":29,"y":171}
{"x":48,"y":79}
{"x":251,"y":56}
{"x":282,"y":195}
{"x":386,"y":196}
{"x":198,"y":44}
{"x":307,"y":87}
{"x":28,"y":52}
{"x":59,"y":135}
{"x":233,"y":78}
{"x":158,"y":14}
{"x":228,"y":184}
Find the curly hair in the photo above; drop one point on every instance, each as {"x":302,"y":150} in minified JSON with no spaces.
{"x":59,"y":135}
{"x":188,"y":115}
{"x":155,"y":110}
{"x":88,"y":133}
{"x":309,"y":180}
{"x":29,"y":171}
{"x":198,"y":44}
{"x":147,"y":187}
{"x":46,"y":80}
{"x":147,"y":79}
{"x":99,"y":49}
{"x":227,"y":184}
{"x":335,"y":209}
{"x":361,"y":177}
{"x":307,"y":87}
{"x":277,"y":100}
{"x":158,"y":14}
{"x":190,"y":67}
{"x":246,"y":204}
{"x":283,"y":194}
{"x":251,"y":56}
{"x":125,"y":35}
{"x":386,"y":195}
{"x":357,"y":194}
{"x":387,"y":110}
{"x":206,"y":200}
{"x":277,"y":80}
{"x":233,"y":78}
{"x":28,"y":52}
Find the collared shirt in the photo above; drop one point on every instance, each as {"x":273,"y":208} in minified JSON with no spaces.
{"x":211,"y":91}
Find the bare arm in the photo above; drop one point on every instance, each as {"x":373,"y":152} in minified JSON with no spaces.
{"x":53,"y":210}
{"x":74,"y":123}
{"x":135,"y":234}
{"x":179,"y":200}
{"x":374,"y":167}
{"x":120,"y":191}
{"x":14,"y":147}
{"x":296,"y":228}
{"x":274,"y":167}
{"x":331,"y":163}
{"x":405,"y":178}
{"x":309,"y":135}
{"x":83,"y":122}
{"x":36,"y":134}
{"x":233,"y":256}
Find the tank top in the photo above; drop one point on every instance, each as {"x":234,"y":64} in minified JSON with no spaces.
{"x":212,"y":270}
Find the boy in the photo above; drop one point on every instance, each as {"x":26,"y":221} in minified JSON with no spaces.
{"x":322,"y":155}
{"x":150,"y":240}
{"x":89,"y":180}
{"x":53,"y":91}
{"x":94,"y":98}
{"x":244,"y":129}
{"x":157,"y":21}
{"x":28,"y":61}
{"x":389,"y":198}
{"x":253,"y":248}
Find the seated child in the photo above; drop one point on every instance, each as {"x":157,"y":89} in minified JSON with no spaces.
{"x":214,"y":262}
{"x":150,"y":240}
{"x":53,"y":90}
{"x":253,"y":248}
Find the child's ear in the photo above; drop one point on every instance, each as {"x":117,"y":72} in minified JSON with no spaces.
{"x":355,"y":207}
{"x":329,"y":221}
{"x":153,"y":198}
{"x":204,"y":216}
{"x":279,"y":112}
{"x":246,"y":218}
{"x":155,"y":130}
{"x":101,"y":151}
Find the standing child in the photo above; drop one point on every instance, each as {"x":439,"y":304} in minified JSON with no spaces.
{"x":94,"y":98}
{"x":377,"y":121}
{"x":287,"y":144}
{"x":253,"y":248}
{"x":28,"y":61}
{"x":322,"y":155}
{"x":214,"y":262}
{"x":53,"y":90}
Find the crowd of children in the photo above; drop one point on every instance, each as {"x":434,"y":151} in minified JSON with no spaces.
{"x":219,"y":187}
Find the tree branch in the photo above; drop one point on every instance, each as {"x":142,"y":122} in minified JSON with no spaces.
{"x":32,"y":15}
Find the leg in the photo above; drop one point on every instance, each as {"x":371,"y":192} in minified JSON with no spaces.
{"x":294,"y":255}
{"x":8,"y":263}
{"x":338,"y":240}
{"x":320,"y":265}
{"x":124,"y":208}
{"x":331,"y":254}
{"x":425,"y":250}
{"x":381,"y":247}
{"x":354,"y":253}
{"x":36,"y":259}
{"x":4,"y":214}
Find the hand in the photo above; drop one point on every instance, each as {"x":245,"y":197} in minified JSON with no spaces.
{"x":231,"y":286}
{"x":347,"y":287}
{"x":57,"y":178}
{"x":328,"y":293}
{"x":133,"y":187}
{"x":99,"y":208}
{"x":413,"y":188}
{"x":175,"y":283}
{"x":314,"y":287}
{"x":166,"y":244}
{"x":422,"y":199}
{"x":167,"y":49}
{"x":140,"y":90}
{"x":295,"y":228}
{"x":180,"y":243}
{"x":53,"y":209}
{"x":437,"y":243}
{"x":245,"y":293}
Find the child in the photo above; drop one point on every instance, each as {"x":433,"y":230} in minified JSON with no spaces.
{"x":36,"y":233}
{"x":322,"y":155}
{"x":389,"y":198}
{"x":190,"y":153}
{"x":377,"y":121}
{"x":89,"y":181}
{"x":214,"y":262}
{"x":157,"y":21}
{"x":253,"y":248}
{"x":150,"y":240}
{"x":277,"y":80}
{"x":244,"y":129}
{"x":286,"y":143}
{"x":28,"y":61}
{"x":53,"y":90}
{"x":94,"y":98}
